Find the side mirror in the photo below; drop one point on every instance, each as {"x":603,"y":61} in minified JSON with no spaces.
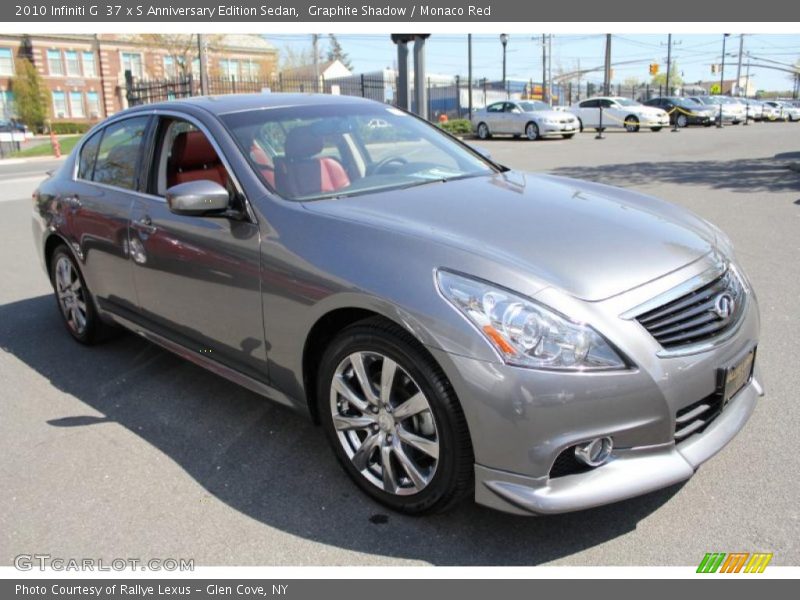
{"x":198,"y":198}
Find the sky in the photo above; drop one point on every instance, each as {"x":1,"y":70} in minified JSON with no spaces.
{"x":693,"y":54}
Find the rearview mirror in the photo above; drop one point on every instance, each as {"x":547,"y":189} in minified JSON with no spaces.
{"x":197,"y":197}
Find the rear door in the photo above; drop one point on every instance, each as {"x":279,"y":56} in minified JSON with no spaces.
{"x":101,"y":198}
{"x":589,"y":113}
{"x":198,"y":277}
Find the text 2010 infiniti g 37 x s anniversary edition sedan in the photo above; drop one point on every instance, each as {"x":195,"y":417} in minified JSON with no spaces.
{"x":454,"y":326}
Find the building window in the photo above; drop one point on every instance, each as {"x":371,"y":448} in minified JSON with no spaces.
{"x":89,"y":69}
{"x":93,"y":104}
{"x":60,"y":105}
{"x":76,"y":105}
{"x":73,"y":66}
{"x":250,"y":69}
{"x":55,"y":64}
{"x":6,"y":62}
{"x":169,"y":66}
{"x":229,"y":68}
{"x":6,"y":105}
{"x":133,"y":63}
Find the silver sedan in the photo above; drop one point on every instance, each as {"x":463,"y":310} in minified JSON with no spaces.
{"x":529,"y":118}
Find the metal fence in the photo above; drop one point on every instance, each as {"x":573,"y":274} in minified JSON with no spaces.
{"x":450,"y":97}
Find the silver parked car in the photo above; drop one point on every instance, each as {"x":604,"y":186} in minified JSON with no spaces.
{"x":531,"y":118}
{"x":455,"y":327}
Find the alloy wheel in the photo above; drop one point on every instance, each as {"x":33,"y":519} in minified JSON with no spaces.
{"x":532,"y":131}
{"x":70,"y":294}
{"x":384,"y":423}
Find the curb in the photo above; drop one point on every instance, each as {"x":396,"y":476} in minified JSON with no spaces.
{"x":19,"y":161}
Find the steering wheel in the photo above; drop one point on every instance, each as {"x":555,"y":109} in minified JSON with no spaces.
{"x":388,"y":161}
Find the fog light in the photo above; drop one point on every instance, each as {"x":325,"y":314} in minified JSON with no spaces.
{"x":595,"y":452}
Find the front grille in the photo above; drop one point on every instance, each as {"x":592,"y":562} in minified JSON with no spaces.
{"x":698,"y":316}
{"x":696,"y":417}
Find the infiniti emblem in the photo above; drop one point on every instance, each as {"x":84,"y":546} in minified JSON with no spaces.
{"x":724,"y":306}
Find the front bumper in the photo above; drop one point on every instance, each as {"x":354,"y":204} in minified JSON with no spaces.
{"x":630,"y":473}
{"x":522,"y":420}
{"x":648,"y":121}
{"x":558,"y":128}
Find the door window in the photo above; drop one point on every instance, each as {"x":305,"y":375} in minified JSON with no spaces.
{"x":590,"y":104}
{"x":118,"y":154}
{"x":495,"y":108}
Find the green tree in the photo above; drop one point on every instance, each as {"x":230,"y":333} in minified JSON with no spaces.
{"x":675,"y":79}
{"x":31,"y":96}
{"x":336,"y":52}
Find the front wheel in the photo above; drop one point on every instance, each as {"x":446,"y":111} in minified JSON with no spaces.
{"x":393,"y":419}
{"x":483,"y":131}
{"x":632,"y":124}
{"x":532,"y":131}
{"x":682,"y":120}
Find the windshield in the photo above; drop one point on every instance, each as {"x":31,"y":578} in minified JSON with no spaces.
{"x":626,"y":102}
{"x":326,"y":151}
{"x":534,"y":105}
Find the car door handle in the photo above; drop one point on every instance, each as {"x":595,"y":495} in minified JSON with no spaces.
{"x":145,"y":224}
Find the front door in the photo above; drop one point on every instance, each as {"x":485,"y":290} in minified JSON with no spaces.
{"x":197,"y":278}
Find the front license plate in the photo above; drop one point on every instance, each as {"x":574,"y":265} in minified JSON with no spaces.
{"x":736,"y":376}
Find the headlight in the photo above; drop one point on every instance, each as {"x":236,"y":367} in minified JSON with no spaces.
{"x":525,"y":333}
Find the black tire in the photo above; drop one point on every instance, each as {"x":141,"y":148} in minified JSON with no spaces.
{"x":452,"y":479}
{"x":483,"y":131}
{"x":631,"y":123}
{"x":531,"y":131}
{"x":568,"y":136}
{"x":94,"y":330}
{"x":682,"y":120}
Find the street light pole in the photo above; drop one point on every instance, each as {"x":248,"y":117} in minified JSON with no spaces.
{"x":469,"y":74}
{"x":722,"y":78}
{"x":504,"y":41}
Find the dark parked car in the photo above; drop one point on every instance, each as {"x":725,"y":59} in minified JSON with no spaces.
{"x":456,"y":328}
{"x":684,"y":111}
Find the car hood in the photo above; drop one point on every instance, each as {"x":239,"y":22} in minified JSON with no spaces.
{"x":590,"y":240}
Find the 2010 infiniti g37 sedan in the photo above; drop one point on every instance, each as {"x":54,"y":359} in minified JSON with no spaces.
{"x":454,"y":326}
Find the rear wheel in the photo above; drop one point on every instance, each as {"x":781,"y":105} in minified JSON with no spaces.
{"x":483,"y":131}
{"x":75,"y":303}
{"x":631,"y":123}
{"x":393,"y":419}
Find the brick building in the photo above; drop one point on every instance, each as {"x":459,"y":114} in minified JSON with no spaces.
{"x":86,"y":73}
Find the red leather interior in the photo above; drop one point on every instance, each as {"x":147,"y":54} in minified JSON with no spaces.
{"x":194,"y":158}
{"x":300,"y":172}
{"x":264,"y":163}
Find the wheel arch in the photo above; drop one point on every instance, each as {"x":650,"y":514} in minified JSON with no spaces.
{"x":53,"y":241}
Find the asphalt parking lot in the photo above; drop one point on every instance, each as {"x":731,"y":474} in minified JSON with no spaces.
{"x":124,"y":450}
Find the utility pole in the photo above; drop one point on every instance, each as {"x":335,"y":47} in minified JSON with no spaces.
{"x":202,"y":48}
{"x":550,"y":68}
{"x":544,"y":68}
{"x":722,"y":78}
{"x":315,"y":50}
{"x":669,"y":60}
{"x":739,"y":68}
{"x":607,"y":69}
{"x":469,"y":73}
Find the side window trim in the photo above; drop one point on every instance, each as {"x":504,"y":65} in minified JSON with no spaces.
{"x":99,"y":135}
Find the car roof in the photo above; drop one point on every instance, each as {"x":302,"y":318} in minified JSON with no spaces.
{"x":220,"y":105}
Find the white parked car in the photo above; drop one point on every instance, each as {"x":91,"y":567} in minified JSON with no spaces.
{"x":784,"y":110}
{"x":732,"y":110}
{"x":754,"y":110}
{"x":530,"y":118}
{"x":619,"y":112}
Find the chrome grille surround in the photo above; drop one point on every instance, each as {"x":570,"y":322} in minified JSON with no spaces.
{"x":696,"y":315}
